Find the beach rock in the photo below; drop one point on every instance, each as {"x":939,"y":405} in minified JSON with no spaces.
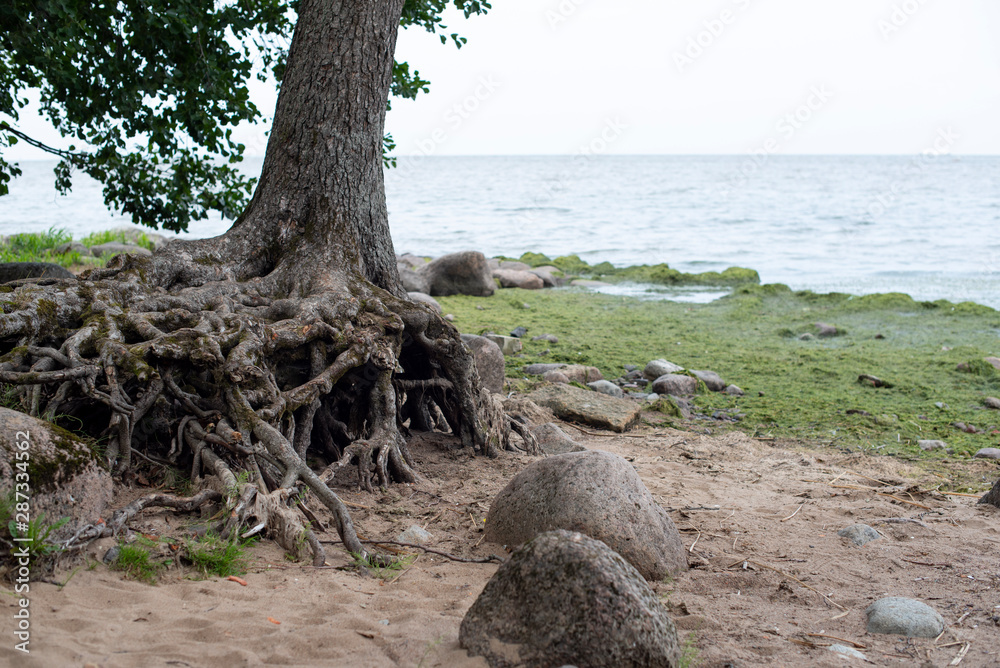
{"x":928,"y":445}
{"x":416,"y":535}
{"x":413,"y":281}
{"x":900,"y":616}
{"x":554,"y":441}
{"x":847,"y":651}
{"x":555,"y":376}
{"x":67,"y":479}
{"x":117,"y":248}
{"x":606,"y":387}
{"x":825,"y":331}
{"x":422,"y":298}
{"x":676,"y":384}
{"x":489,"y":361}
{"x":518,"y":332}
{"x":859,"y":534}
{"x":711,"y":379}
{"x":993,"y":361}
{"x":656,"y":368}
{"x":15,"y":271}
{"x":734,"y":391}
{"x":71,"y":247}
{"x":551,"y":338}
{"x":525,"y":280}
{"x":549,"y":279}
{"x":514,"y":265}
{"x":992,"y":402}
{"x":987,"y":453}
{"x":566,"y":599}
{"x":581,"y":373}
{"x":465,"y":273}
{"x":508,"y":344}
{"x":411,"y":261}
{"x":598,"y":410}
{"x":992,"y":497}
{"x":588,"y":283}
{"x":541,"y":369}
{"x":526,"y":411}
{"x":596,"y":493}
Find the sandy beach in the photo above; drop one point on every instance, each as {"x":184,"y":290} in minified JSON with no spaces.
{"x":770,"y":583}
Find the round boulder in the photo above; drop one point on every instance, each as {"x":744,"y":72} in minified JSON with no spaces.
{"x":15,"y":271}
{"x":489,"y":361}
{"x":656,"y":368}
{"x":65,"y":478}
{"x":465,"y":273}
{"x":566,"y":599}
{"x":421,"y":298}
{"x":900,"y":616}
{"x":512,"y":278}
{"x":676,"y":384}
{"x":595,"y":493}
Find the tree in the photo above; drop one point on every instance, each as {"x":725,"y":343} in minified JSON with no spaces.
{"x":287,"y":335}
{"x":154,"y":88}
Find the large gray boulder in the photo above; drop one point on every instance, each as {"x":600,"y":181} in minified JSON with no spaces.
{"x":65,"y":478}
{"x":566,"y":599}
{"x":489,"y":361}
{"x":598,"y":410}
{"x":593,"y":492}
{"x":15,"y":271}
{"x":465,"y":273}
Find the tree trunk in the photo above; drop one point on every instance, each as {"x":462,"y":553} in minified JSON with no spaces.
{"x":288,"y":335}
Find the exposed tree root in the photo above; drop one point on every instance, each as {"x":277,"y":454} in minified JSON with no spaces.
{"x":189,"y":360}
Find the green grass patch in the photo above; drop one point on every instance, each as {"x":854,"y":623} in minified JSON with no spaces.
{"x":135,"y":560}
{"x":118,"y":236}
{"x":211,"y":555}
{"x":802,"y":389}
{"x":39,"y":247}
{"x":382,"y":567}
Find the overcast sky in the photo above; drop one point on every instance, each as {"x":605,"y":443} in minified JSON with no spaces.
{"x":709,"y":77}
{"x":726,"y":76}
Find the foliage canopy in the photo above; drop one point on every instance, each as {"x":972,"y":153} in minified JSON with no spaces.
{"x":153,"y":89}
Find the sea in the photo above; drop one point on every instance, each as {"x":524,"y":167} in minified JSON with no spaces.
{"x":926,"y":225}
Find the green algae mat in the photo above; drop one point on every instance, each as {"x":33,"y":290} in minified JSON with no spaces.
{"x":929,"y":356}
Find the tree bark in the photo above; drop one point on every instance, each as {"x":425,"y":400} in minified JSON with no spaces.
{"x":288,"y":335}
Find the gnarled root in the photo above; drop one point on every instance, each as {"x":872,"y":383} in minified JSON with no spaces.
{"x":224,"y":375}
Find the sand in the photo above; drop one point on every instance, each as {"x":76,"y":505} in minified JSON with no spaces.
{"x":768,"y":568}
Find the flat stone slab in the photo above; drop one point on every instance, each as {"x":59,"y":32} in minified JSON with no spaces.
{"x":900,"y":616}
{"x":592,"y":408}
{"x":509,"y":345}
